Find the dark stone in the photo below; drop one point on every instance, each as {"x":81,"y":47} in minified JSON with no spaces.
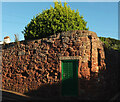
{"x":25,"y":74}
{"x":36,"y":42}
{"x":34,"y":51}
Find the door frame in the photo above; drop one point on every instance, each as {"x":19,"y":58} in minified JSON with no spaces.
{"x":79,"y":65}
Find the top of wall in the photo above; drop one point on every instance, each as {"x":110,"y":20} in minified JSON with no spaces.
{"x":71,"y":34}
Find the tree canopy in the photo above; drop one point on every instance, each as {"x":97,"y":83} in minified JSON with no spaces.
{"x":54,"y":20}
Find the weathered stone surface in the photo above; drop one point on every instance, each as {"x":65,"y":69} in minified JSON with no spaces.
{"x":38,"y":61}
{"x":21,"y":53}
{"x":65,"y":40}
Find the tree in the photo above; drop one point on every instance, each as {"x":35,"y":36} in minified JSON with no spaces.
{"x":54,"y":20}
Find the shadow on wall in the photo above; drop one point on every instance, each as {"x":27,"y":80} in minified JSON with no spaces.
{"x":105,"y":87}
{"x":89,"y":90}
{"x":55,"y":91}
{"x":45,"y":91}
{"x":112,"y":72}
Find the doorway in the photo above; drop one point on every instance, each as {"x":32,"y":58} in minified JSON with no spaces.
{"x":69,"y":77}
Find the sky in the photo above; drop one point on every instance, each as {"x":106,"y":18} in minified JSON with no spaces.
{"x":102,"y":17}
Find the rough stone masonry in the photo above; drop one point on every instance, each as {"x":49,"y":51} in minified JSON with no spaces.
{"x":26,"y":65}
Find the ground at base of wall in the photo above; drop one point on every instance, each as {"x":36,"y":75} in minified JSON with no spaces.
{"x":12,"y":96}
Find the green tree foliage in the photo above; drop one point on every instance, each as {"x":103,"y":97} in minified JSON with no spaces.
{"x":111,"y":43}
{"x":54,"y":20}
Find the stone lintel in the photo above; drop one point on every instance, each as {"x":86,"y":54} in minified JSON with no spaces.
{"x":70,"y":58}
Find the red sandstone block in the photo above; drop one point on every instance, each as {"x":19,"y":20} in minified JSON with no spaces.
{"x":85,"y":64}
{"x":87,"y":52}
{"x":85,"y":73}
{"x":66,"y":53}
{"x":84,"y":39}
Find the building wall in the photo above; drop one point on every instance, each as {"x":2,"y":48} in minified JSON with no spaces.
{"x":27,"y":65}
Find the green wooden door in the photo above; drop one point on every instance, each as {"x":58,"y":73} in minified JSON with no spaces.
{"x":70,"y":78}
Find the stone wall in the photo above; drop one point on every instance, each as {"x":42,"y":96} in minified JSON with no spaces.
{"x":27,"y":65}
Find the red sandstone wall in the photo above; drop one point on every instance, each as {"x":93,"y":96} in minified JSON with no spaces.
{"x":29,"y":64}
